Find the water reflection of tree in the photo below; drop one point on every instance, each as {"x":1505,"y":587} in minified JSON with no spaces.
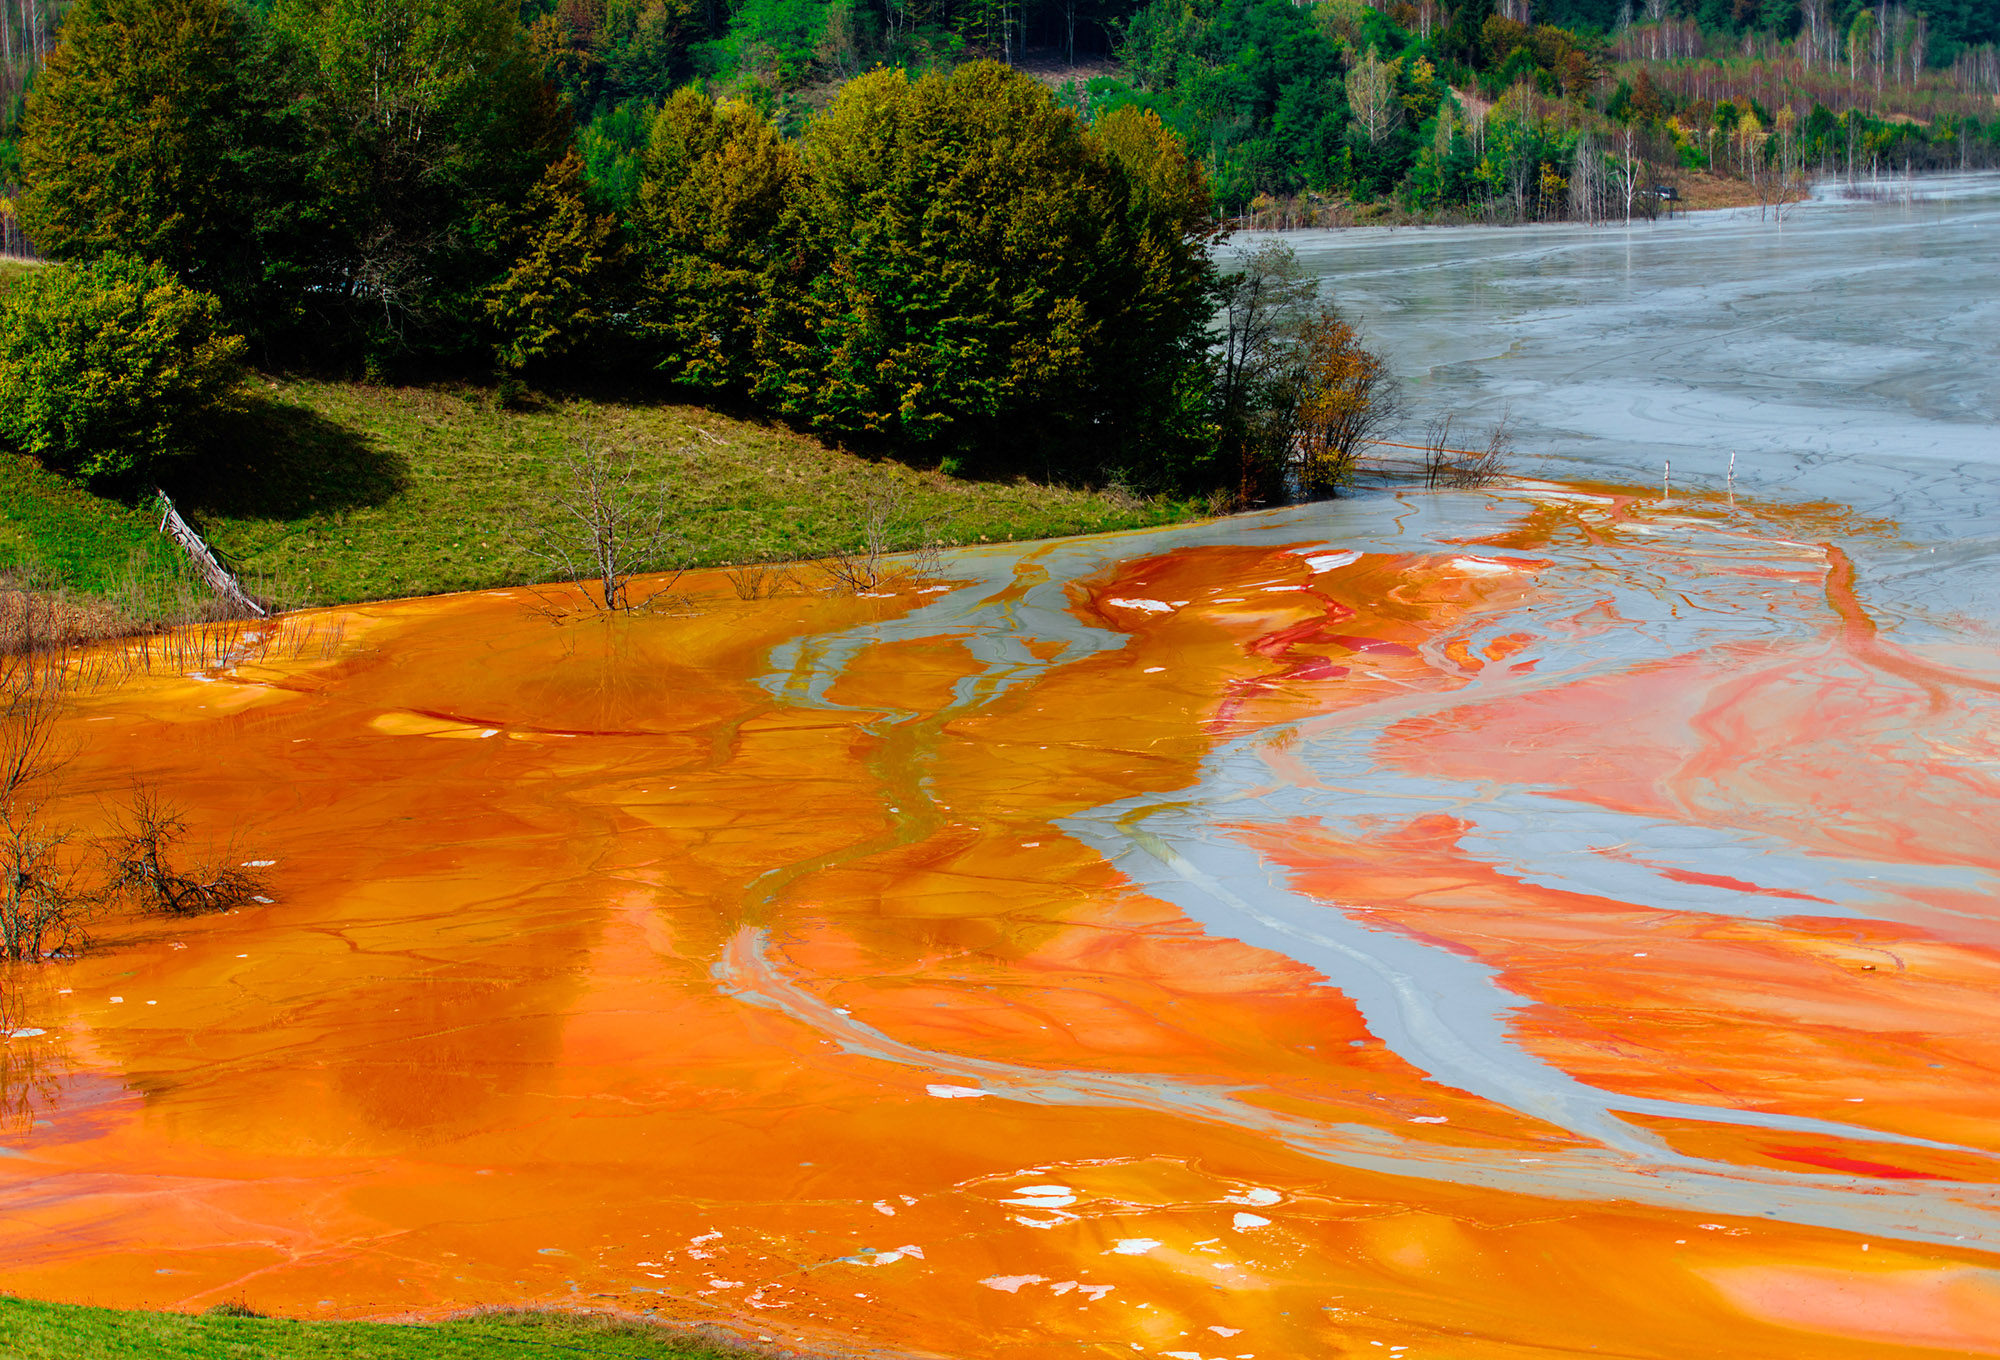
{"x":34,"y":1067}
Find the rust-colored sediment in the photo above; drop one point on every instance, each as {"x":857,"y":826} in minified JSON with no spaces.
{"x":611,"y":966}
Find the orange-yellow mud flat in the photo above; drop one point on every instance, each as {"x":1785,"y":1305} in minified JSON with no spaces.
{"x":1463,"y":926}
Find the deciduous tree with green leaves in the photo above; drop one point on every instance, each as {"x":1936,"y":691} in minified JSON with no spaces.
{"x":564,"y":276}
{"x":428,"y":123}
{"x":110,"y":369}
{"x":975,"y":284}
{"x":143,"y":137}
{"x":710,"y":226}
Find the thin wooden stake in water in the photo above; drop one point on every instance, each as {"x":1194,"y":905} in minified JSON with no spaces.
{"x":1666,"y":478}
{"x":218,"y":578}
{"x":1732,"y":479}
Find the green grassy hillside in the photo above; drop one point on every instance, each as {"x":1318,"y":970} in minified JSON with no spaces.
{"x":326,"y":493}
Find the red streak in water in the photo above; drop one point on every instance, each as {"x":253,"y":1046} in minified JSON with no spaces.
{"x":1858,"y":631}
{"x":1733,"y":884}
{"x":1833,"y":1161}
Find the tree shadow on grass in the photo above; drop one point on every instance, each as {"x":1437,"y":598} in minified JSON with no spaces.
{"x":279,"y":460}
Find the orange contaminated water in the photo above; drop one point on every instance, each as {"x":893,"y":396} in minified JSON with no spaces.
{"x":1562,"y":928}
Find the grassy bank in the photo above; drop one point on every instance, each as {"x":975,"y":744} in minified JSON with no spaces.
{"x":326,"y":493}
{"x":52,"y":1331}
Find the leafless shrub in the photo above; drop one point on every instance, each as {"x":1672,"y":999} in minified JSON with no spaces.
{"x":51,"y":886}
{"x":610,"y":524}
{"x":1221,"y":501}
{"x":146,"y":866}
{"x":44,"y":903}
{"x":1122,"y":497}
{"x":761,"y":580}
{"x":886,"y":518}
{"x":1446,"y":465}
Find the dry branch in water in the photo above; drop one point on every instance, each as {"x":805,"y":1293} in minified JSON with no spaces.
{"x":145,"y":866}
{"x":1447,"y":466}
{"x":886,"y":518}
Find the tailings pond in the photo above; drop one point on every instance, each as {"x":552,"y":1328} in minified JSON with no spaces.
{"x":1551,"y":919}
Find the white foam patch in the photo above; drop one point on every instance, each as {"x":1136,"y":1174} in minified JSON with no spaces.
{"x":1149,"y":606}
{"x":1256,"y":1195}
{"x":1329,"y":561}
{"x":956,"y":1092}
{"x":1133,"y":1246}
{"x":1007,"y":1284}
{"x":1481,"y":566}
{"x":1245,"y":1222}
{"x":1059,"y":1218}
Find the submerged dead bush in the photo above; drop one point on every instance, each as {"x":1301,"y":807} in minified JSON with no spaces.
{"x":1448,"y":466}
{"x":45,"y":899}
{"x":148,"y":867}
{"x":761,"y":580}
{"x":886,"y":518}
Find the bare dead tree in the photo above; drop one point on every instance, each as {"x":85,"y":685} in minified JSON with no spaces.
{"x":609,"y":524}
{"x":1437,"y":450}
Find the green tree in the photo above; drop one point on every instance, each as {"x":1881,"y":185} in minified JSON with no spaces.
{"x":553,"y":299}
{"x":110,"y":369}
{"x":142,"y":137}
{"x":973,"y":281}
{"x":428,"y":124}
{"x":1156,"y":350}
{"x":709,"y":225}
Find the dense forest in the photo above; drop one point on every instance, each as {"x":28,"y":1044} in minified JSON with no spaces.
{"x":958,"y":230}
{"x":1436,"y":107}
